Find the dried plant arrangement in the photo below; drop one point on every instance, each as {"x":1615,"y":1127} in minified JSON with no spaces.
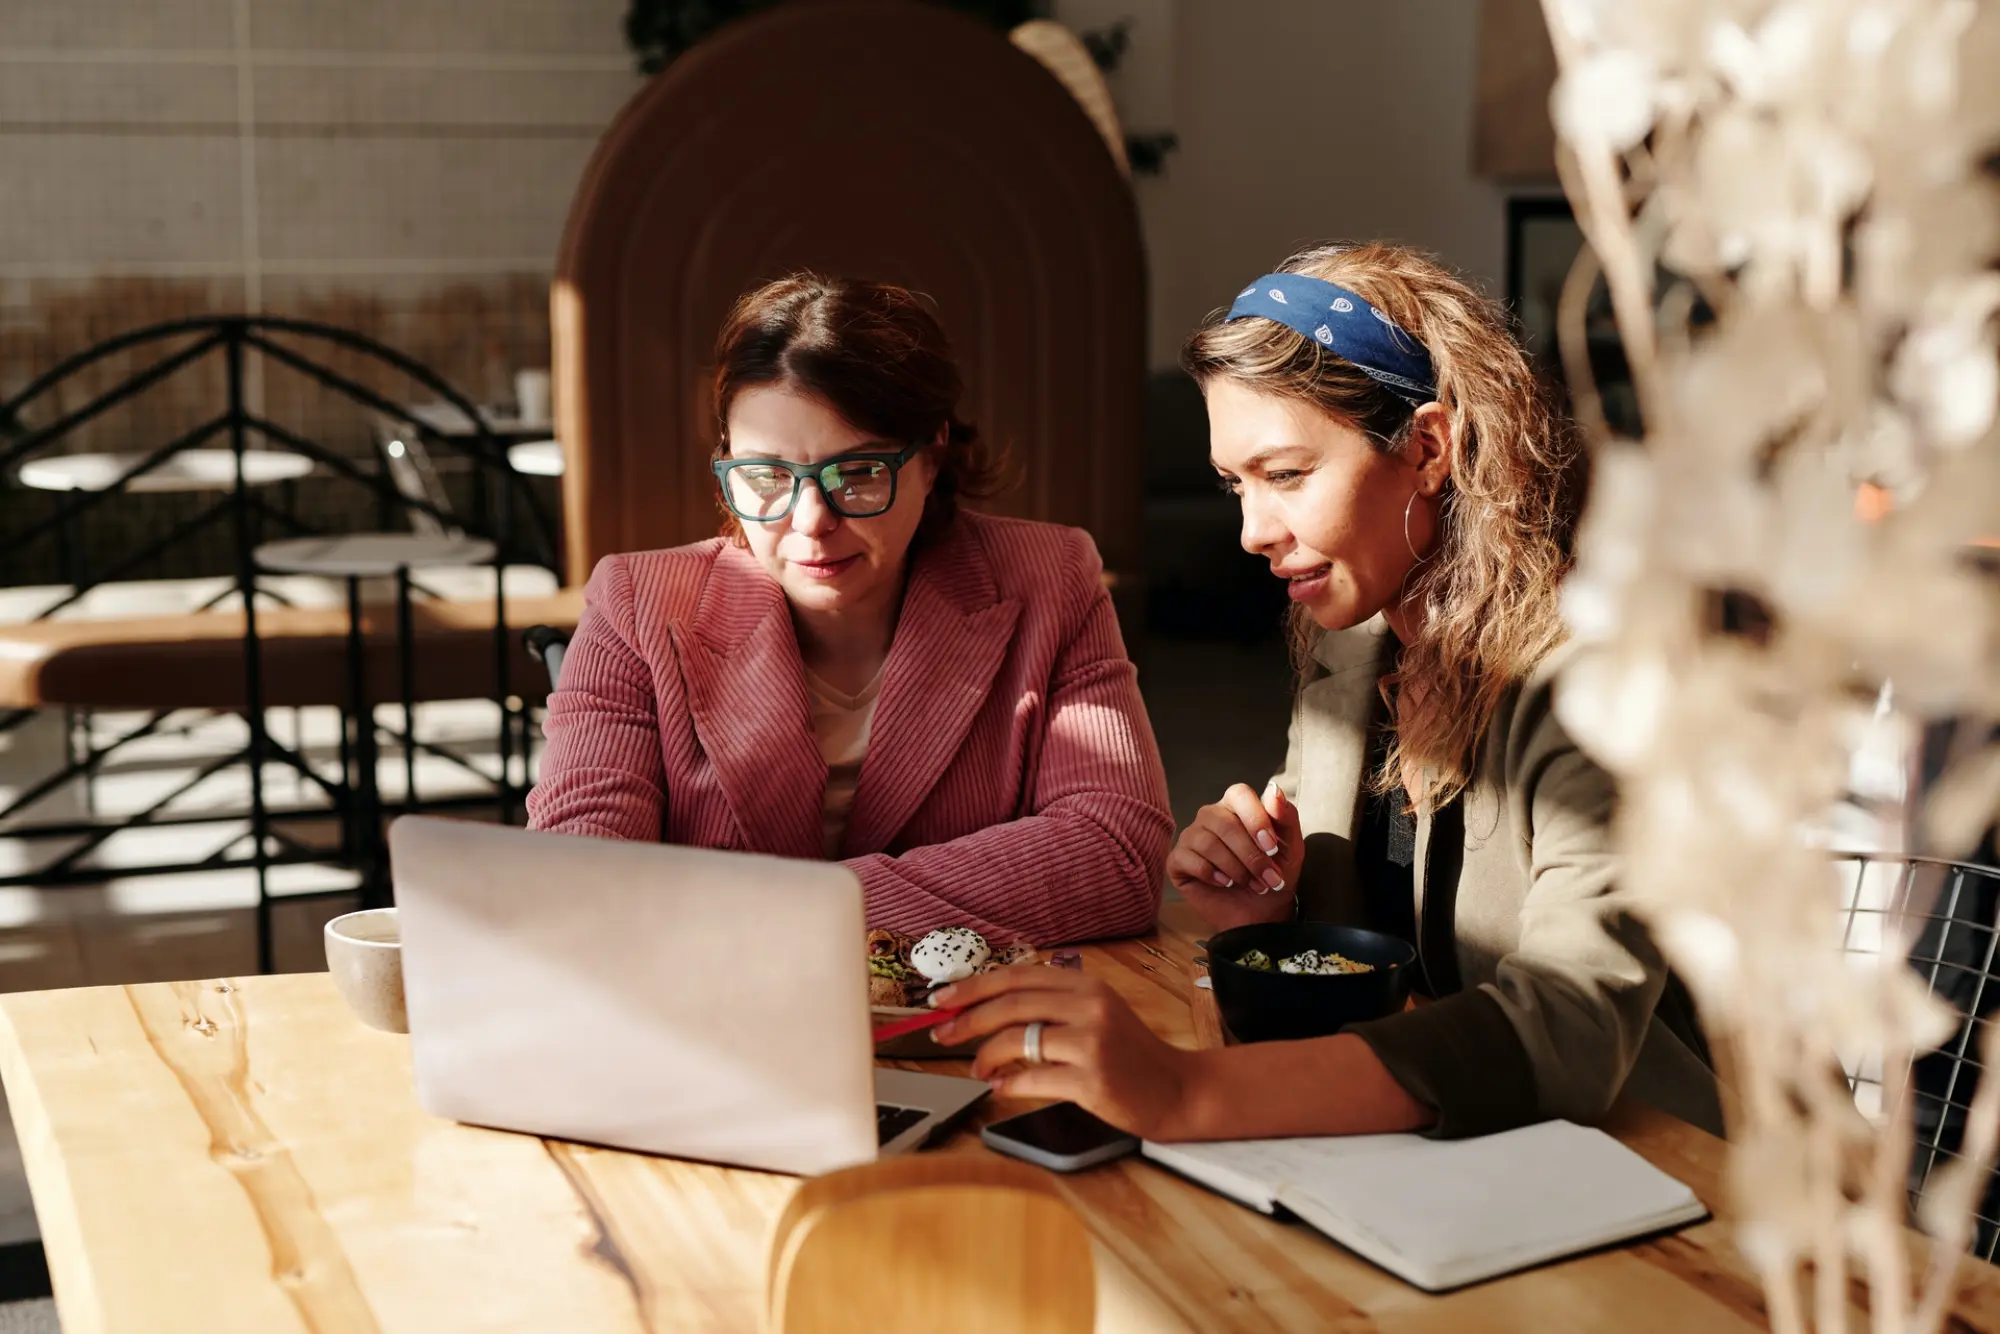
{"x":1792,"y":208}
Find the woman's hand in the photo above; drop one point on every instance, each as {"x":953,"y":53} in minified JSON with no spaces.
{"x":1239,"y":861}
{"x":1095,"y":1051}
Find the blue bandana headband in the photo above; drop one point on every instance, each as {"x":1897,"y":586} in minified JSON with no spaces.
{"x":1345,"y":325}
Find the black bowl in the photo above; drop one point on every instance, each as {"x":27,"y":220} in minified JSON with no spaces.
{"x":1263,"y":1007}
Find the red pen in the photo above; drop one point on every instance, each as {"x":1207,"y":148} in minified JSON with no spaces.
{"x":895,"y":1028}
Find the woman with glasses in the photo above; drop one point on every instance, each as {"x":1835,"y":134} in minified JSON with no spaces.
{"x":1400,"y":470}
{"x":858,"y":669}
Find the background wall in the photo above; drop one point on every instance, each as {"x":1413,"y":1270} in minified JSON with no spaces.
{"x":1300,"y":120}
{"x":402,"y":166}
{"x":398,"y":167}
{"x":405,"y":165}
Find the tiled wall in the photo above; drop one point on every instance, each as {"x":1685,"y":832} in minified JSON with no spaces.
{"x":297,"y":138}
{"x":402,"y":167}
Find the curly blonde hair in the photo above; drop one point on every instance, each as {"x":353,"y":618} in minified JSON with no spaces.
{"x":1508,"y":517}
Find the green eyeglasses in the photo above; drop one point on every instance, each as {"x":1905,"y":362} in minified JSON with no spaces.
{"x":855,"y":486}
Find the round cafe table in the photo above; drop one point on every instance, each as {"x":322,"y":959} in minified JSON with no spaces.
{"x":354,"y":557}
{"x":189,"y":470}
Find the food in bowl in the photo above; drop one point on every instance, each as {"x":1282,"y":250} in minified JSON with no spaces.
{"x":1261,"y":1000}
{"x":1312,"y":962}
{"x":1305,"y":962}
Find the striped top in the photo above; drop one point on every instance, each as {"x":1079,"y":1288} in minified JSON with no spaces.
{"x":841,"y":724}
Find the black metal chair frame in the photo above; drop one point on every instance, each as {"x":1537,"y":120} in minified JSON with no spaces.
{"x":1954,"y":949}
{"x":547,"y":645}
{"x":500,"y":493}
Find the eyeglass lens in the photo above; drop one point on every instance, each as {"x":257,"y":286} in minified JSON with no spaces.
{"x":855,"y":488}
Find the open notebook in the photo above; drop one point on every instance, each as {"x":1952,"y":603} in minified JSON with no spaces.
{"x":1441,"y":1213}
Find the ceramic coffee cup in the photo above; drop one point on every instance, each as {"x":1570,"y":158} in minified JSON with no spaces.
{"x":364,"y":952}
{"x":531,"y":395}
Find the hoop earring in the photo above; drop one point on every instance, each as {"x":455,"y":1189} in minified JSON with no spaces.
{"x":1406,"y":531}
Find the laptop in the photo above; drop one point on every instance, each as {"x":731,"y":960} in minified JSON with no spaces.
{"x":678,"y":1001}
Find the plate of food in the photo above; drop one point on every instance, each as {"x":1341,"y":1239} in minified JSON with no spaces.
{"x":903,"y":970}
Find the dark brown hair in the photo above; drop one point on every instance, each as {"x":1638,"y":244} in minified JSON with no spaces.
{"x":1518,"y":476}
{"x":874,"y":354}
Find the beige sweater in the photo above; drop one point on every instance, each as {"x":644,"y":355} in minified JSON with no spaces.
{"x":1552,"y":998}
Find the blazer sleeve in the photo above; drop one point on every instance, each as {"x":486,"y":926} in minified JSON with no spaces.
{"x":1559,"y":1028}
{"x":602,"y":774}
{"x":1088,"y":860}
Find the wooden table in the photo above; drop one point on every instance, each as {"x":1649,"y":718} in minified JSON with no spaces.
{"x":243,"y":1155}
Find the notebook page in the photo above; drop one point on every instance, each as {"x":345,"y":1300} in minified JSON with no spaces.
{"x":1220,"y":1171}
{"x":1444,"y":1212}
{"x":1254,"y":1171}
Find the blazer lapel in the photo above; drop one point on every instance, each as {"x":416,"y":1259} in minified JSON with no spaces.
{"x":951,"y":638}
{"x":1355,"y":661}
{"x":1332,"y":759}
{"x":746,"y":691}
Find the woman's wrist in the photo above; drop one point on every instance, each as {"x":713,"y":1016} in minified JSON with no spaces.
{"x":1314,"y":1086}
{"x":1193,"y":1108}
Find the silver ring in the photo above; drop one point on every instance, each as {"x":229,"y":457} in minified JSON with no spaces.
{"x":1031,"y":1044}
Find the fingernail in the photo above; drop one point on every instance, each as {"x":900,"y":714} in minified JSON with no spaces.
{"x":938,"y":1035}
{"x":942,"y":997}
{"x":1266,"y":842}
{"x":997,"y":1085}
{"x":1222,"y":881}
{"x":1270,"y":789}
{"x":1274,"y":880}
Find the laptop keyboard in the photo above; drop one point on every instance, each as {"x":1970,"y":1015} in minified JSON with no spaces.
{"x":893,"y":1121}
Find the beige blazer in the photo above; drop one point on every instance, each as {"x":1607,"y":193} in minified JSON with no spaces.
{"x":1552,"y":998}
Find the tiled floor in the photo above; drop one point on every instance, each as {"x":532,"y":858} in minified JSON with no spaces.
{"x":36,"y":1317}
{"x":1219,"y":710}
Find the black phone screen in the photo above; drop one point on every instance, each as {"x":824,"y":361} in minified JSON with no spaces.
{"x":1063,"y":1129}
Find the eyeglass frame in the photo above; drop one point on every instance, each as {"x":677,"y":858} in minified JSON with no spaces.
{"x":814,"y":473}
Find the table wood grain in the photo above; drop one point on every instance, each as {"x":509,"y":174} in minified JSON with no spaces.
{"x":242,"y":1155}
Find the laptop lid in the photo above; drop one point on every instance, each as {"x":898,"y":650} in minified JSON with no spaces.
{"x":708,"y":1005}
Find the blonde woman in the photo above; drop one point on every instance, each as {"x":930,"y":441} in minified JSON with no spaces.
{"x":1397,"y":466}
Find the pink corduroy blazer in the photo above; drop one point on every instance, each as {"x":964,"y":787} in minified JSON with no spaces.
{"x":1011,"y":783}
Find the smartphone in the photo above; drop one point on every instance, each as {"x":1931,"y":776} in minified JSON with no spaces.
{"x":1061,"y":1137}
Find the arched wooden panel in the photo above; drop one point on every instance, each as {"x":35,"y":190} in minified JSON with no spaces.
{"x":886,"y":139}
